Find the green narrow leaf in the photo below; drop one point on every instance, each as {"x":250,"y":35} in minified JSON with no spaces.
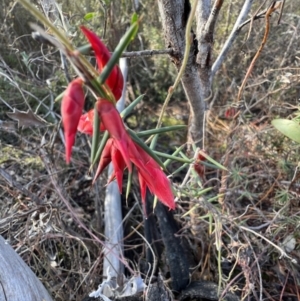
{"x":99,"y":88}
{"x":154,"y":141}
{"x":141,"y":143}
{"x":161,"y":130}
{"x":96,"y":134}
{"x":85,"y":49}
{"x":215,"y":198}
{"x":100,"y":149}
{"x":124,"y":42}
{"x":129,"y":182}
{"x":59,"y":97}
{"x":182,"y":160}
{"x":128,"y":109}
{"x":177,"y":151}
{"x":289,"y":128}
{"x":211,"y":160}
{"x":134,"y":18}
{"x":215,"y":166}
{"x":183,"y":166}
{"x":191,"y":210}
{"x":210,"y":165}
{"x":89,"y":16}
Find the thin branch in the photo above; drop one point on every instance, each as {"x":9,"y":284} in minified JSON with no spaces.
{"x":154,"y":258}
{"x":253,"y":17}
{"x":270,"y":10}
{"x":205,"y":33}
{"x":282,"y":252}
{"x":211,"y":22}
{"x":244,"y":12}
{"x":147,"y":53}
{"x":86,"y":49}
{"x":281,"y":11}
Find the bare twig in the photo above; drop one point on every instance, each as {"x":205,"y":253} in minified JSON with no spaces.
{"x":212,"y":19}
{"x":282,"y":252}
{"x":255,"y":14}
{"x":147,"y":53}
{"x":274,"y":6}
{"x":88,"y":50}
{"x":288,"y":51}
{"x":153,"y":269}
{"x":221,"y":57}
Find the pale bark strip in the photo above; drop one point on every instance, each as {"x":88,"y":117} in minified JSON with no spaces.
{"x":17,"y":281}
{"x":174,"y":15}
{"x":113,"y":209}
{"x":221,"y":57}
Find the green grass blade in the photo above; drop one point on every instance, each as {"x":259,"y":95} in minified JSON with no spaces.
{"x":183,"y":166}
{"x":177,"y":151}
{"x":211,"y":160}
{"x":128,"y":109}
{"x":182,"y":160}
{"x":141,"y":143}
{"x":161,"y":130}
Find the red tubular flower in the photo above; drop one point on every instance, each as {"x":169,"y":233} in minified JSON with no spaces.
{"x":119,"y":165}
{"x":121,"y":150}
{"x":105,"y":158}
{"x":71,"y":109}
{"x":115,"y":80}
{"x":112,"y":122}
{"x":111,"y":153}
{"x":85,"y":124}
{"x":151,"y":175}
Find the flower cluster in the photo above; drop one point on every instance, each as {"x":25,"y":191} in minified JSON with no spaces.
{"x":120,"y":149}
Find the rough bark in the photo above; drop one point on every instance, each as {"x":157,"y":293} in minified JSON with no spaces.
{"x":174,"y":14}
{"x":17,"y":281}
{"x":199,"y":72}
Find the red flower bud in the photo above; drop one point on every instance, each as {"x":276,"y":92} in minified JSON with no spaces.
{"x":113,"y":123}
{"x":71,"y":109}
{"x":115,"y":80}
{"x":85,"y":124}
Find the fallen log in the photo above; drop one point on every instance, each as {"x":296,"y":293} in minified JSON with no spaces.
{"x":17,"y":281}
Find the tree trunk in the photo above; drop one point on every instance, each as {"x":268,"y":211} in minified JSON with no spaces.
{"x":196,"y":79}
{"x":17,"y":281}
